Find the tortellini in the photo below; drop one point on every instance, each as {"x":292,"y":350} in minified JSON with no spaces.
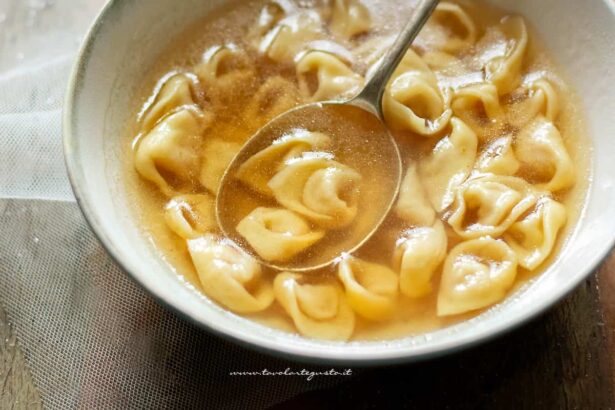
{"x":217,"y":155}
{"x":319,"y":310}
{"x":258,"y":170}
{"x":291,"y":34}
{"x":449,"y":164}
{"x":270,"y":15}
{"x":413,"y":206}
{"x":371,"y":288}
{"x":413,"y":101}
{"x":170,"y":150}
{"x":275,"y":96}
{"x":504,"y":68}
{"x":226,"y":72}
{"x":457,"y":30}
{"x":498,"y":158}
{"x":478,"y":105}
{"x":190,"y":216}
{"x":229,"y":276}
{"x":490,"y":204}
{"x":476,"y":274}
{"x":348,"y":18}
{"x":533,"y":237}
{"x":544,"y":157}
{"x":418,"y":254}
{"x":277,"y":235}
{"x":224,"y":64}
{"x":319,"y":188}
{"x":332,"y":77}
{"x":536,"y":97}
{"x":177,"y":91}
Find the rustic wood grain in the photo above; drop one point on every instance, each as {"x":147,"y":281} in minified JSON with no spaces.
{"x":561,"y":360}
{"x":606,"y":275}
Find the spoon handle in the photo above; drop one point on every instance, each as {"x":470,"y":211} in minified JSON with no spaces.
{"x":371,"y":95}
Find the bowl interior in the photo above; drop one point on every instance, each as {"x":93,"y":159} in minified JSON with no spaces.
{"x":124,"y":43}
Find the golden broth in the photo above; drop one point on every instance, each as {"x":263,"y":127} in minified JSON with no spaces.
{"x":235,"y":123}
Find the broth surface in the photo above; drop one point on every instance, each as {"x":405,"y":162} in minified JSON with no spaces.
{"x":237,"y":106}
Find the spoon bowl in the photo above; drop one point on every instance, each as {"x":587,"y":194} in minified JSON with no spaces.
{"x":360,"y":139}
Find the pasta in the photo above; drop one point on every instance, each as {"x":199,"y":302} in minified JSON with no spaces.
{"x":177,"y":91}
{"x":456,"y":28}
{"x":536,"y":97}
{"x":319,"y":188}
{"x":504,"y":69}
{"x":226,"y":73}
{"x":476,"y":274}
{"x":543,"y":155}
{"x":229,"y":276}
{"x":333,"y":78}
{"x":319,"y":310}
{"x":275,"y":96}
{"x":290,"y":36}
{"x":371,"y":289}
{"x":258,"y":170}
{"x":498,"y":158}
{"x":419,"y":252}
{"x":449,"y":164}
{"x":490,"y":204}
{"x":478,"y":105}
{"x":348,"y":18}
{"x":491,"y":140}
{"x":277,"y":234}
{"x":413,"y":206}
{"x":413,"y":101}
{"x":169,"y":150}
{"x":190,"y":216}
{"x":218,"y":154}
{"x":270,"y":15}
{"x":533,"y":237}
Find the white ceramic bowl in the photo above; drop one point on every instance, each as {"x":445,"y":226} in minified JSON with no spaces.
{"x":123,"y":43}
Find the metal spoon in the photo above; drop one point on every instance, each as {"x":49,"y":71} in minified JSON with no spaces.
{"x":366,"y":106}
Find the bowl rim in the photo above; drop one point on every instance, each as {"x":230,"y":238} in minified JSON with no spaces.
{"x":261,"y":343}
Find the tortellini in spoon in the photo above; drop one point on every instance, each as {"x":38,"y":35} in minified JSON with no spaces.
{"x":277,"y":235}
{"x":319,"y":188}
{"x":318,"y":309}
{"x":230,"y":276}
{"x":476,"y":274}
{"x":258,"y":170}
{"x":371,"y":288}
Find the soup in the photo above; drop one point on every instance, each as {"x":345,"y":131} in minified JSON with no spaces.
{"x":495,"y":155}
